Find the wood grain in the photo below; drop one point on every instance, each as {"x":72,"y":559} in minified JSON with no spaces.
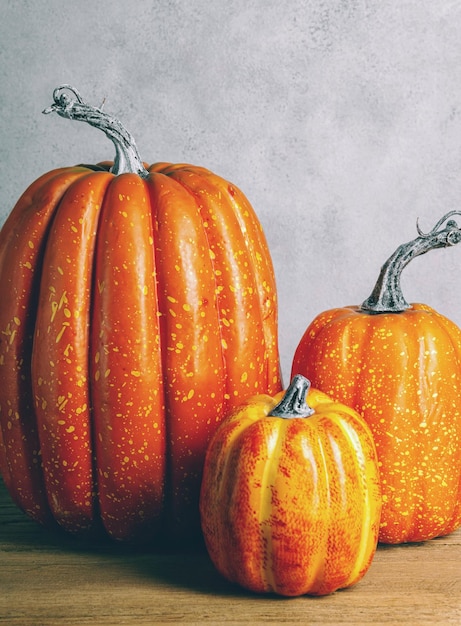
{"x":50,"y":580}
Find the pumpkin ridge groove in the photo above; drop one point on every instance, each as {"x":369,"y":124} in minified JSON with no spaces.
{"x":275,"y":441}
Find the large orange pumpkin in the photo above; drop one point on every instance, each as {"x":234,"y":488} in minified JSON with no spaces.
{"x":290,"y":499}
{"x":399,"y":365}
{"x":138,"y":307}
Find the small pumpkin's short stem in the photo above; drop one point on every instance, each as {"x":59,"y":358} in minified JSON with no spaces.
{"x":387,"y":296}
{"x":293,"y":403}
{"x":127,"y":159}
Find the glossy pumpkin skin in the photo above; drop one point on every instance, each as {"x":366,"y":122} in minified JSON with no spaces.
{"x":136,"y":312}
{"x":402,"y":373}
{"x":291,"y":506}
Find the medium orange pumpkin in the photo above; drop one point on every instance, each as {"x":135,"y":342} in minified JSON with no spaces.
{"x":138,"y":307}
{"x":290,"y":499}
{"x":399,"y":365}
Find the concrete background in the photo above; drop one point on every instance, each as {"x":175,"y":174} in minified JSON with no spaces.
{"x":339,"y":119}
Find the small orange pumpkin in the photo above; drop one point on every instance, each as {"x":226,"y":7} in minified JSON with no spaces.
{"x":399,"y":365}
{"x":138,"y":307}
{"x":290,"y":499}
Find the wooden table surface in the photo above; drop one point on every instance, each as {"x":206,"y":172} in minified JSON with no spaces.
{"x":50,"y":580}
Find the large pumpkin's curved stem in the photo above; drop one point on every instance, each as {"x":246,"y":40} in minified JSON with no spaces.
{"x":387,"y":296}
{"x":127,"y":159}
{"x":293,"y":403}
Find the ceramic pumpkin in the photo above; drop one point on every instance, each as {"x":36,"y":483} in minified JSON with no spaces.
{"x":290,"y":499}
{"x":138,"y":307}
{"x":399,"y":365}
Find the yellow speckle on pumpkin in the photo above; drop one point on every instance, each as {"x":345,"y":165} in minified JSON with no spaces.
{"x":63,"y":300}
{"x":54,"y":310}
{"x":61,"y":332}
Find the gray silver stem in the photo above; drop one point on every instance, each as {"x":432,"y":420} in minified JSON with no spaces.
{"x":293,"y":404}
{"x":387,"y":296}
{"x":127,"y":159}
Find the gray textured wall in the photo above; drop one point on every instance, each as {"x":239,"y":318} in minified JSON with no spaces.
{"x":340,"y":120}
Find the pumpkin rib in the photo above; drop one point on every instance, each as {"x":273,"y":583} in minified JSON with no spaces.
{"x":229,"y":477}
{"x":128,"y":397}
{"x":449,"y":425}
{"x":258,"y":250}
{"x":191,"y":346}
{"x":60,"y":366}
{"x":407,"y":440}
{"x":238,"y":291}
{"x":326,"y":480}
{"x":22,"y":245}
{"x":263,"y":270}
{"x":236,"y":529}
{"x":354,"y":433}
{"x":454,"y":337}
{"x":276,"y":442}
{"x":175,"y":173}
{"x":310,"y":547}
{"x":338,"y":430}
{"x":264,"y":276}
